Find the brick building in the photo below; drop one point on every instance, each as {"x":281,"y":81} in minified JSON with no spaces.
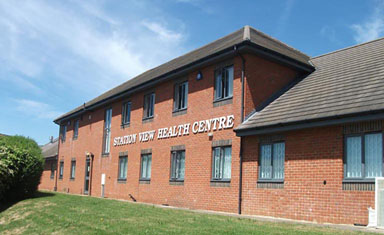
{"x":49,"y":152}
{"x":245,"y":124}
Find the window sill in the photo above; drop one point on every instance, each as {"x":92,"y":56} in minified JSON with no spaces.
{"x":358,"y":180}
{"x":176,"y":182}
{"x":147,"y":119}
{"x":121,"y":181}
{"x":358,"y":185}
{"x":144,"y":181}
{"x":220,"y":183}
{"x":223,"y":101}
{"x":61,"y":178}
{"x":179,"y":112}
{"x":72,"y":179}
{"x":125,"y":125}
{"x":105,"y":155}
{"x":270,"y":184}
{"x":270,"y":181}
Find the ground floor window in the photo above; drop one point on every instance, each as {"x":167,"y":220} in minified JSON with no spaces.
{"x":61,"y":170}
{"x":146,"y":162}
{"x":73,"y":169}
{"x":178,"y":165}
{"x":221,"y":167}
{"x":363,"y":156}
{"x":123,"y":163}
{"x":271,"y":164}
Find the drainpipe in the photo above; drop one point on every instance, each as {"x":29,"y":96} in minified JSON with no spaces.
{"x":242,"y":119}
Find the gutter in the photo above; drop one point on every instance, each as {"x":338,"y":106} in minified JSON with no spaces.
{"x":312,"y":123}
{"x":244,"y":46}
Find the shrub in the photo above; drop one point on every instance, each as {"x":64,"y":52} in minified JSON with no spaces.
{"x":21,"y":166}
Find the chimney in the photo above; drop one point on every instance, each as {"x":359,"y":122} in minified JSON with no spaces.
{"x":51,"y":139}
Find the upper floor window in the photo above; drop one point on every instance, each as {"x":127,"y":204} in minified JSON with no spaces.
{"x":146,"y":164}
{"x":107,"y":131}
{"x":224,"y":83}
{"x":178,"y":165}
{"x":126,"y":113}
{"x":180,"y":96}
{"x":272,"y":157}
{"x":73,"y":169}
{"x":61,"y":170}
{"x":63,"y":132}
{"x":363,"y":156}
{"x":221,"y":167}
{"x":149,"y":105}
{"x":123,"y":164}
{"x":76,"y":129}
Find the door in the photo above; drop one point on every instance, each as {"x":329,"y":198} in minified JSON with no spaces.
{"x":87,"y":174}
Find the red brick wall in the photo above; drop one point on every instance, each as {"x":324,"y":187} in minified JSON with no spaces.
{"x":46,"y":182}
{"x":263,"y":79}
{"x":311,"y":156}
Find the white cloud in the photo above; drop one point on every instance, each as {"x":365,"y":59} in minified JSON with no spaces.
{"x":80,"y":45}
{"x":284,"y":17}
{"x":373,"y":28}
{"x":36,"y":109}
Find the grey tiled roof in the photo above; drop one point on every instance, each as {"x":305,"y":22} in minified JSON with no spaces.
{"x":345,"y":82}
{"x":50,"y":149}
{"x":246,"y":33}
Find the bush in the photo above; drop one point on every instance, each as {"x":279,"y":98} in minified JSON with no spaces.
{"x":21,"y":166}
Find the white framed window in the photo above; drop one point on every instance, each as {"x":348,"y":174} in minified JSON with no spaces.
{"x":146,"y":165}
{"x":221,"y":163}
{"x":180,"y":96}
{"x":149,"y":105}
{"x":271,"y":164}
{"x":126,"y":113}
{"x":107,"y":131}
{"x":123,"y":167}
{"x":224,"y":83}
{"x":73,"y":169}
{"x":178,"y":165}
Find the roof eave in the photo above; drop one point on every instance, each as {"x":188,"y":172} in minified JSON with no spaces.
{"x":244,"y":46}
{"x":312,"y":123}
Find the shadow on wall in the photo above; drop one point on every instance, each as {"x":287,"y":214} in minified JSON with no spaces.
{"x":38,"y":194}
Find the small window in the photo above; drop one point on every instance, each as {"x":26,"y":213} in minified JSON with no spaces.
{"x":63,"y":133}
{"x":126,"y":114}
{"x":76,"y":129}
{"x":146,"y":162}
{"x":180,"y":96}
{"x":149,"y":105}
{"x":178,"y":165}
{"x":53,"y":168}
{"x":222,"y":157}
{"x":73,"y":169}
{"x":61,"y":170}
{"x":272,"y":157}
{"x":224,"y":83}
{"x":107,"y":131}
{"x":363,"y":156}
{"x":123,"y":164}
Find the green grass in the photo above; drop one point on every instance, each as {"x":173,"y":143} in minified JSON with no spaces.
{"x":71,"y":214}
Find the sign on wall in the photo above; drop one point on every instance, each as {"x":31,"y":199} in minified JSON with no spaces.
{"x":213,"y":124}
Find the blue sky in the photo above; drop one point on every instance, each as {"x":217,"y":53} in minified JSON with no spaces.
{"x":55,"y":55}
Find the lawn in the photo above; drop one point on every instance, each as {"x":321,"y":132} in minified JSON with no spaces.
{"x":71,"y":214}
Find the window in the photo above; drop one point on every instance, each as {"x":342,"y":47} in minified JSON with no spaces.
{"x":53,"y":168}
{"x":126,"y":114}
{"x":149,"y":105}
{"x":224,"y":83}
{"x":61,"y":170}
{"x":146,"y":162}
{"x":221,"y":169}
{"x":363,"y":156}
{"x":180,"y":96}
{"x":63,"y":132}
{"x":272,"y":158}
{"x":76,"y":129}
{"x":178,"y":165}
{"x":123,"y":163}
{"x":73,"y":169}
{"x":107,"y":131}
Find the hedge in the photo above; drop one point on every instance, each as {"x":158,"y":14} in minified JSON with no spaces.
{"x":21,"y":166}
